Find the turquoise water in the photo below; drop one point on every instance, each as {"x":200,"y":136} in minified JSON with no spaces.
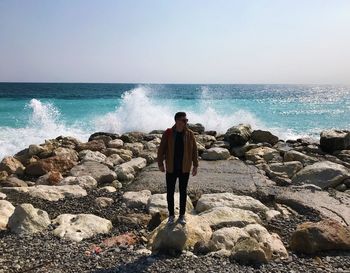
{"x":32,"y":112}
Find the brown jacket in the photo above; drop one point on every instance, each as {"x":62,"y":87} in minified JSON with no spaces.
{"x":166,"y":150}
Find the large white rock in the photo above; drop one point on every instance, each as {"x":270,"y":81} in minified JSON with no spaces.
{"x":263,"y":153}
{"x":127,"y":170}
{"x":323,"y":174}
{"x":136,"y":199}
{"x":97,"y":170}
{"x":27,"y":219}
{"x":85,"y":181}
{"x":135,"y":147}
{"x":157,"y":203}
{"x":226,"y":238}
{"x":6,"y":210}
{"x":86,"y":155}
{"x":80,"y":226}
{"x":179,"y":237}
{"x":50,"y":193}
{"x":216,"y":153}
{"x":115,"y":143}
{"x":229,"y":216}
{"x":227,"y":199}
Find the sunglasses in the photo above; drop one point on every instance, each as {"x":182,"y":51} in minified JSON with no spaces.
{"x":184,"y":120}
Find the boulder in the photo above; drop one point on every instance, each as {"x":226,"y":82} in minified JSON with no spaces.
{"x":100,"y":172}
{"x":135,"y":147}
{"x":226,"y":238}
{"x":196,"y":127}
{"x":289,"y":168}
{"x":222,"y":216}
{"x":205,"y":140}
{"x":333,"y":140}
{"x":263,"y":153}
{"x":6,"y":210}
{"x":238,"y":135}
{"x":114,"y":160}
{"x":115,"y":143}
{"x":27,"y":219}
{"x":177,"y":237}
{"x":68,"y":153}
{"x":3,"y":175}
{"x":59,"y":164}
{"x":126,"y":155}
{"x":324,"y":174}
{"x":136,"y":199}
{"x":80,"y":226}
{"x":293,"y":155}
{"x":157,"y":203}
{"x":85,"y":181}
{"x":2,"y":195}
{"x":127,"y":170}
{"x":51,"y":178}
{"x":260,"y":136}
{"x":13,"y":181}
{"x":216,"y":153}
{"x":212,"y":200}
{"x":87,"y":155}
{"x":98,"y":135}
{"x":93,"y":145}
{"x":325,"y":235}
{"x":11,"y":165}
{"x":131,"y":137}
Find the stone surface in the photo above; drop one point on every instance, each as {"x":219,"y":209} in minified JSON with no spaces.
{"x":288,"y":168}
{"x":59,"y":164}
{"x":93,"y":145}
{"x":293,"y":155}
{"x":238,"y":135}
{"x":13,"y":181}
{"x":11,"y":165}
{"x":208,"y":201}
{"x":263,"y":153}
{"x":101,"y":173}
{"x":324,"y":174}
{"x":219,"y":216}
{"x":27,"y":219}
{"x":87,"y":155}
{"x":333,"y":140}
{"x":136,"y":199}
{"x":157,"y":203}
{"x":177,"y":237}
{"x":260,"y":136}
{"x":325,"y":235}
{"x":51,"y":178}
{"x":216,"y":153}
{"x":85,"y":181}
{"x":213,"y":176}
{"x":126,"y":171}
{"x":104,"y":202}
{"x":115,"y":143}
{"x":80,"y":226}
{"x":6,"y":210}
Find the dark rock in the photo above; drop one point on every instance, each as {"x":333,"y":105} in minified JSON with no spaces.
{"x":238,"y":135}
{"x":98,"y":134}
{"x":93,"y":145}
{"x":333,"y":140}
{"x":259,"y":136}
{"x":197,"y":128}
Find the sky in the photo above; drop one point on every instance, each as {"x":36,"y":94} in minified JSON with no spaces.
{"x":182,"y":41}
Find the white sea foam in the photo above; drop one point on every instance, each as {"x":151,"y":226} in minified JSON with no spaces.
{"x":139,"y":110}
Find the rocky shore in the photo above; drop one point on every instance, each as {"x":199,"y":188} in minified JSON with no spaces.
{"x":258,"y":204}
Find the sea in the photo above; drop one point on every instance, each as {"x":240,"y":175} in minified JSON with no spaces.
{"x":33,"y":112}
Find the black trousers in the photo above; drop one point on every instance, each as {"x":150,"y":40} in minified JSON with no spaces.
{"x":170,"y":187}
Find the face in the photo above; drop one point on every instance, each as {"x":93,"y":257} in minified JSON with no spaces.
{"x":182,"y":121}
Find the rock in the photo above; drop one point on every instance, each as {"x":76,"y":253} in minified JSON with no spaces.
{"x":34,"y":149}
{"x":288,"y":168}
{"x":87,"y":155}
{"x":59,"y":164}
{"x":104,"y":202}
{"x":298,"y":156}
{"x":226,"y":238}
{"x":325,"y":235}
{"x":149,"y":156}
{"x":126,"y":155}
{"x":341,"y":187}
{"x":3,"y":175}
{"x":50,"y":193}
{"x":271,"y":214}
{"x":208,"y":201}
{"x":157,"y":203}
{"x":51,"y":178}
{"x":177,"y":237}
{"x":216,"y":153}
{"x":219,"y":216}
{"x":324,"y":174}
{"x":107,"y":189}
{"x":11,"y":165}
{"x":260,"y":136}
{"x":68,"y":153}
{"x":333,"y":140}
{"x":197,"y":127}
{"x":13,"y":181}
{"x":135,"y":147}
{"x":205,"y":140}
{"x":80,"y":226}
{"x":85,"y":181}
{"x":100,"y":172}
{"x":2,"y":195}
{"x":263,"y":153}
{"x":93,"y":145}
{"x":127,"y":170}
{"x":136,"y":199}
{"x":115,"y":143}
{"x":6,"y":210}
{"x":27,"y":219}
{"x":249,"y":251}
{"x":114,"y":160}
{"x":238,"y":135}
{"x":98,"y":135}
{"x":343,"y":155}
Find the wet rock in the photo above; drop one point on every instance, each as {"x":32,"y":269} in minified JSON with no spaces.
{"x":238,"y":135}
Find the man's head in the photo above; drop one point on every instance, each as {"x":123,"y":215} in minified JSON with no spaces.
{"x":180,"y":119}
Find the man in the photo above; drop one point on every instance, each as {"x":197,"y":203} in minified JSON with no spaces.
{"x":179,"y":148}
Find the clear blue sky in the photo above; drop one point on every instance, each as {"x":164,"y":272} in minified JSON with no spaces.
{"x":185,"y":41}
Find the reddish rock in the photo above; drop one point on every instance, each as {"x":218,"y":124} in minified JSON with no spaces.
{"x":93,"y":145}
{"x":11,"y":165}
{"x":125,"y":239}
{"x":55,"y":163}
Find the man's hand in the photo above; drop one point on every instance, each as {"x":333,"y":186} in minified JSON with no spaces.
{"x":194,"y":171}
{"x":161,"y":168}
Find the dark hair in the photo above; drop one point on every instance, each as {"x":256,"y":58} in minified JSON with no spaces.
{"x":179,"y":115}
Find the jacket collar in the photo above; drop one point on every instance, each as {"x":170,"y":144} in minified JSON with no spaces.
{"x":174,"y":128}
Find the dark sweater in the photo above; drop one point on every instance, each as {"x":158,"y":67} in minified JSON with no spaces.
{"x":178,"y":151}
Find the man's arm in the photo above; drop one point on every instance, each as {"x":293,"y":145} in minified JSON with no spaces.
{"x":161,"y":152}
{"x":194,"y":152}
